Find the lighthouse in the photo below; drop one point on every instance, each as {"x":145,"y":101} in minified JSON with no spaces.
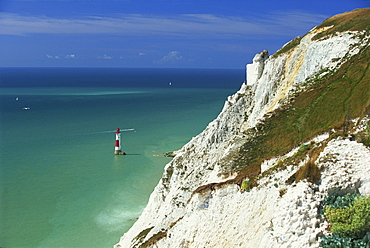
{"x":117,"y":148}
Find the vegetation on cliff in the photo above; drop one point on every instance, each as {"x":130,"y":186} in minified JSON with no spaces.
{"x":326,"y":102}
{"x":356,"y":20}
{"x":349,"y":217}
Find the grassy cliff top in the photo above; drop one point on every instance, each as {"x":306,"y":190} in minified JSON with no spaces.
{"x":356,"y":20}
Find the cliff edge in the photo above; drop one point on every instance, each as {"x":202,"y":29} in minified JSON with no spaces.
{"x":295,"y":133}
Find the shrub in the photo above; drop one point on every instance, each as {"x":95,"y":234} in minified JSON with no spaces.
{"x":246,"y":185}
{"x":340,"y":201}
{"x":349,"y":217}
{"x":337,"y":241}
{"x":352,"y":221}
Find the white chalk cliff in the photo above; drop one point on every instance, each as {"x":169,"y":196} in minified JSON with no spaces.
{"x":272,"y":214}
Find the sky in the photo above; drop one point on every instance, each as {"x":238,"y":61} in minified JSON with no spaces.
{"x":154,"y":33}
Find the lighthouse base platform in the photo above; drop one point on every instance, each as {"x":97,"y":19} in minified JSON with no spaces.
{"x":119,"y":153}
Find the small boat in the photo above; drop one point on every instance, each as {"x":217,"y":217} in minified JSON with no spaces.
{"x":26,"y":108}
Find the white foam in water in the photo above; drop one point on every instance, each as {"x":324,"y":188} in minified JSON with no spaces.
{"x":115,"y":218}
{"x":104,"y":93}
{"x":56,"y":91}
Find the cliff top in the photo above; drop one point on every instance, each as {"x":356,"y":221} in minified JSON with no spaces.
{"x":356,"y":20}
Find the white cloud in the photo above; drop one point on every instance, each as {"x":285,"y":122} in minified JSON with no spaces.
{"x":172,"y":57}
{"x":200,"y":25}
{"x":52,"y":56}
{"x":70,"y":56}
{"x":105,"y":57}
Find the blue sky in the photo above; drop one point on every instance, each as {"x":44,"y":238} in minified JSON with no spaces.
{"x":154,"y":33}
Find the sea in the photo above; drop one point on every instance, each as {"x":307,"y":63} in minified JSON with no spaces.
{"x":60,"y":183}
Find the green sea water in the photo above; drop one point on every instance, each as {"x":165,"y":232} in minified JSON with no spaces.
{"x":61,"y":185}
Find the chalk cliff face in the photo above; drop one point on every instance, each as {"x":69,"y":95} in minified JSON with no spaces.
{"x":193,"y":205}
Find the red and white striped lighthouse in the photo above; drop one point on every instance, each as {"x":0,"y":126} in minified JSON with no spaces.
{"x":117,"y":148}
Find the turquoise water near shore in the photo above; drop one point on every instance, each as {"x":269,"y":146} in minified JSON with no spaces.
{"x":61,"y":185}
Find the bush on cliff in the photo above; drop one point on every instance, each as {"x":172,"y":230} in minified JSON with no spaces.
{"x":349,"y":217}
